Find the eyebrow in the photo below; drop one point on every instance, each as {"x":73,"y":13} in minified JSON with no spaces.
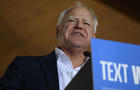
{"x":76,"y":18}
{"x":72,"y":17}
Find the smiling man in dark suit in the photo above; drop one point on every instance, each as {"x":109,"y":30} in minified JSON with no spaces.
{"x":75,"y":27}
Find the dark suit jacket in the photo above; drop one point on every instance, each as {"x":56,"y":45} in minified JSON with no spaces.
{"x":31,"y":73}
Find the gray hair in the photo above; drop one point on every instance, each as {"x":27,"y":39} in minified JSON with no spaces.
{"x":63,"y":13}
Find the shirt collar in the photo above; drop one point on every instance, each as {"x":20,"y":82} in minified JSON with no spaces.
{"x":65,"y":59}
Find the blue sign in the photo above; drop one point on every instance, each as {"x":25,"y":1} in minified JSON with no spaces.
{"x":116,"y":65}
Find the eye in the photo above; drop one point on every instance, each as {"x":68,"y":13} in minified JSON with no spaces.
{"x":87,"y":24}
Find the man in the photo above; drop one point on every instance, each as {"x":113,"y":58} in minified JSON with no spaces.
{"x":75,"y":27}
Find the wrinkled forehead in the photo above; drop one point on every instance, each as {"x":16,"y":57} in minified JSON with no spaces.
{"x":85,"y":19}
{"x":79,"y":12}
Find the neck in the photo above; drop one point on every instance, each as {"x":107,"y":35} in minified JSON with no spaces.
{"x":75,"y":55}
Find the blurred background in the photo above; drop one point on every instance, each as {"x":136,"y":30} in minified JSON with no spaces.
{"x":28,"y":27}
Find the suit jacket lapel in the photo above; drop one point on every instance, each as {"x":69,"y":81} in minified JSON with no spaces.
{"x":49,"y":68}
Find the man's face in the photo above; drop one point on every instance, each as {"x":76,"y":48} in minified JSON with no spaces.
{"x":76,"y":28}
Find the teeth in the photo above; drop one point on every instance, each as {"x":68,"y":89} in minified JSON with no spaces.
{"x":78,"y":34}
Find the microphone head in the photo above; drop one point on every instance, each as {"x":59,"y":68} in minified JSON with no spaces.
{"x":87,"y":54}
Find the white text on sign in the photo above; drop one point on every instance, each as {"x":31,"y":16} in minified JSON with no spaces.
{"x":112,"y":71}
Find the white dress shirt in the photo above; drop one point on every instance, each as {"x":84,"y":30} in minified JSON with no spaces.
{"x":65,"y":69}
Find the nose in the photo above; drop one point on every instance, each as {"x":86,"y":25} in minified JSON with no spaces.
{"x":78,"y":25}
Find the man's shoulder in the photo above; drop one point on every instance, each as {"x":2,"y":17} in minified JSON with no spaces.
{"x":27,"y":57}
{"x":33,"y":58}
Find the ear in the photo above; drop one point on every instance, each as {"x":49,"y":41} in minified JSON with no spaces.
{"x":94,"y":32}
{"x":57,"y":30}
{"x":94,"y":35}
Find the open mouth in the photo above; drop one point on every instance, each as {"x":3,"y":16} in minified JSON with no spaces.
{"x":77,"y":34}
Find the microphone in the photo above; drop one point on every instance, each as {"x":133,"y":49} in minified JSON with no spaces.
{"x":87,"y":54}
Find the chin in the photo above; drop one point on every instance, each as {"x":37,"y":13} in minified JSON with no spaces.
{"x":77,"y":45}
